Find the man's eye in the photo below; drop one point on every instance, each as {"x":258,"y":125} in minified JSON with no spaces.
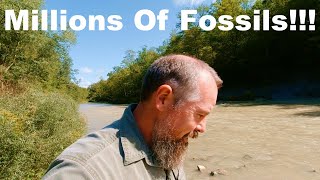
{"x":200,"y":116}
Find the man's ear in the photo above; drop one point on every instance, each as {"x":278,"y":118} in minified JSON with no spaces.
{"x":164,"y":97}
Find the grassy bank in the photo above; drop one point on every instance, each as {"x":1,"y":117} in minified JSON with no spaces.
{"x":34,"y":128}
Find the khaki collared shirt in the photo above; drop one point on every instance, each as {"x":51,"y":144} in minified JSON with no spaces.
{"x":118,"y":151}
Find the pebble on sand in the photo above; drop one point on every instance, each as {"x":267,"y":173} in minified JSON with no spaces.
{"x":218,"y":171}
{"x":201,"y":168}
{"x":213,"y":173}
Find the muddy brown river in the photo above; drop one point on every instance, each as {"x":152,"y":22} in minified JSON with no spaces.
{"x":271,"y":141}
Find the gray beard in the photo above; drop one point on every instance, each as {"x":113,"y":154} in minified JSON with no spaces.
{"x":168,"y":151}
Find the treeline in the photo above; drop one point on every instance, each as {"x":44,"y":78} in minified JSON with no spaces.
{"x":38,"y":59}
{"x":38,"y":97}
{"x":124,"y":82}
{"x":245,"y":60}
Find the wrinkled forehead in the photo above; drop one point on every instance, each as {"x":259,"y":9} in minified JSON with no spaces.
{"x":204,"y":106}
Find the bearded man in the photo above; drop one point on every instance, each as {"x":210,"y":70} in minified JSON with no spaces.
{"x":151,"y":138}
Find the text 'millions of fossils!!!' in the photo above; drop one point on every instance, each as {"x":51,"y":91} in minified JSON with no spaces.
{"x":299,"y":20}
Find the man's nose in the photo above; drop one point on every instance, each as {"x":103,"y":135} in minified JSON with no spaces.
{"x":201,"y":127}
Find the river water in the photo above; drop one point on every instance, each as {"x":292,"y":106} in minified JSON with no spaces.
{"x":245,"y":141}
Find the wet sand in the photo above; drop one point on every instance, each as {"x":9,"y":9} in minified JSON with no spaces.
{"x":248,"y":141}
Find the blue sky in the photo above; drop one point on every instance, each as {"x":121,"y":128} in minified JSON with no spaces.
{"x":96,"y":52}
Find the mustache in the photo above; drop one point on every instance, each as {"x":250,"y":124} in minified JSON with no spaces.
{"x":194,"y":134}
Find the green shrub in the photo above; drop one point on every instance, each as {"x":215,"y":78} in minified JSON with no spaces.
{"x":34,"y":129}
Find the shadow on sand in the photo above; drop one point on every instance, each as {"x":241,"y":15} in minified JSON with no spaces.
{"x":286,"y":103}
{"x":281,"y":105}
{"x":309,"y":113}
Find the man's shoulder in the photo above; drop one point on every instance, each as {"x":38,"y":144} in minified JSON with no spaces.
{"x":106,"y":139}
{"x":88,"y":157}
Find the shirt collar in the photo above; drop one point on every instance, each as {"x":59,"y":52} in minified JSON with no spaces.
{"x":132,"y":141}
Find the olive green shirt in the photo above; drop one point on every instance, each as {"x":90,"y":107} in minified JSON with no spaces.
{"x":118,"y":151}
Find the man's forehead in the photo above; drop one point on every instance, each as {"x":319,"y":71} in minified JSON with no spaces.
{"x":201,"y":106}
{"x":205,"y":106}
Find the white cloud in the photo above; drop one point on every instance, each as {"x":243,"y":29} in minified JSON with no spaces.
{"x":189,"y":2}
{"x":84,"y":83}
{"x":86,"y":70}
{"x":88,"y":76}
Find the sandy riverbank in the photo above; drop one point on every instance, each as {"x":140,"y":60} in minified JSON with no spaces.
{"x":249,"y":141}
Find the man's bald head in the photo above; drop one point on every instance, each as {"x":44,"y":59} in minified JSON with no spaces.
{"x":181,"y":73}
